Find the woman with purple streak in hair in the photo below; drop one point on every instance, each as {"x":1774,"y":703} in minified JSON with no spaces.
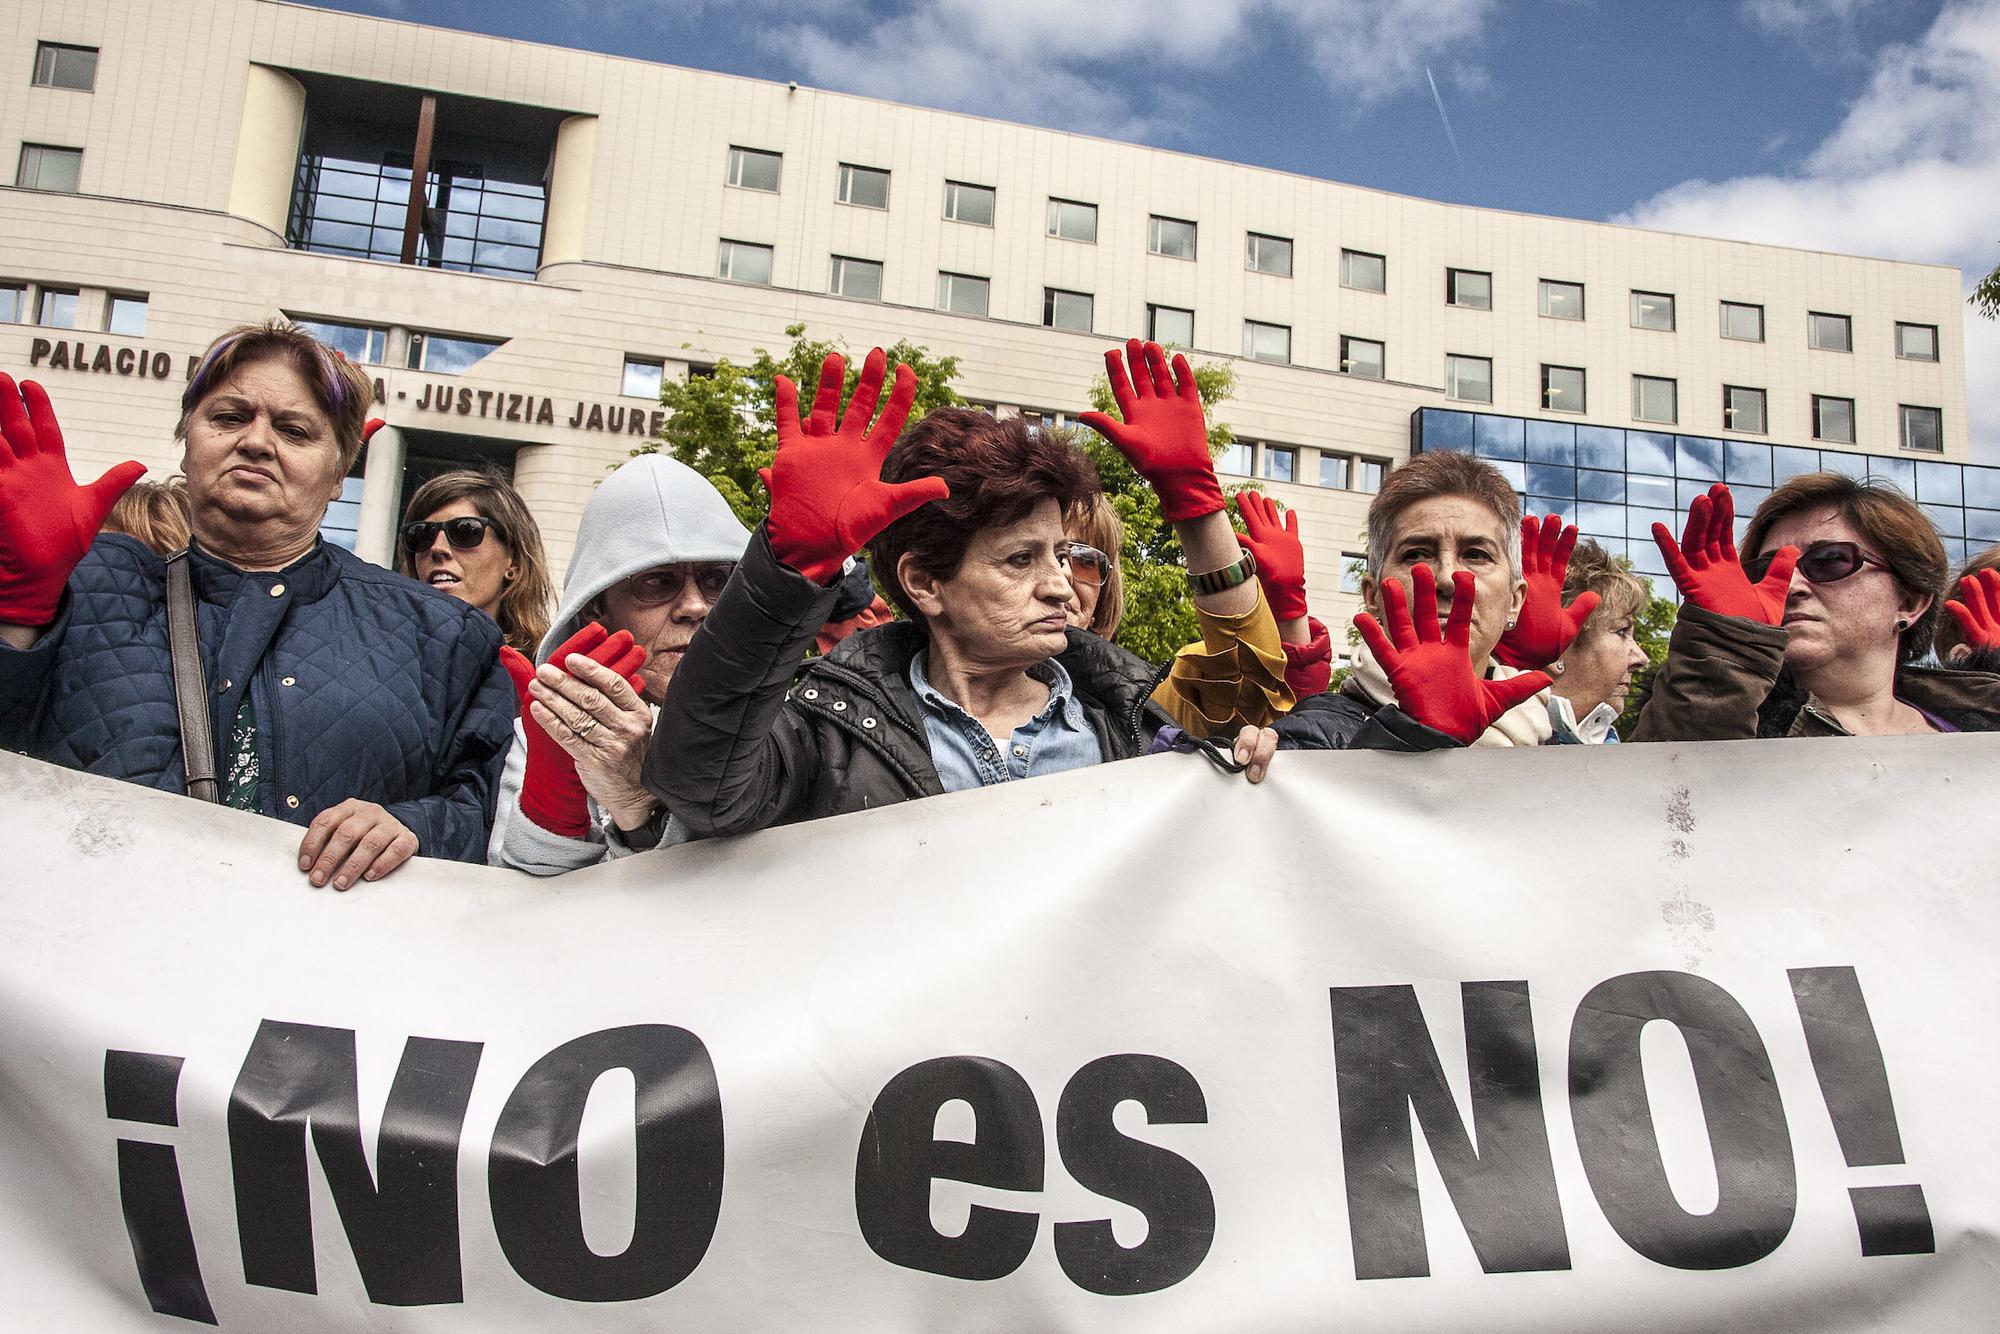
{"x":341,"y":696}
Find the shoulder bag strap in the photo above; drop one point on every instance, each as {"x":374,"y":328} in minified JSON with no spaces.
{"x":190,"y":687}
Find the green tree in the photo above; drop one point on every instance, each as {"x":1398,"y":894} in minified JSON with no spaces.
{"x":724,"y":424}
{"x":1985,"y":297}
{"x":1651,"y":627}
{"x":1159,"y":614}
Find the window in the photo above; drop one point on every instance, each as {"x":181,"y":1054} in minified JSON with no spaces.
{"x":1829,"y":333}
{"x":1469,"y":378}
{"x":754,"y":169}
{"x":1469,"y":288}
{"x":1269,"y":254}
{"x":962,"y":294}
{"x":1066,"y":310}
{"x":1170,"y":326}
{"x":1653,"y":310}
{"x":1267,"y":342}
{"x":46,"y":167}
{"x":1235,"y":458}
{"x":744,"y":262}
{"x":13,"y":303}
{"x":1353,"y":565}
{"x":1562,"y":301}
{"x":1361,"y":356}
{"x":125,"y":314}
{"x":642,"y":378}
{"x":1281,"y":463}
{"x":1172,"y":237}
{"x":1922,"y":429}
{"x":864,"y":187}
{"x":1655,"y":399}
{"x":1833,"y":419}
{"x":1362,"y":271}
{"x":1562,"y":388}
{"x":858,"y":278}
{"x":1073,"y":221}
{"x":1742,"y":322}
{"x":1916,"y":342}
{"x":1367,"y":476}
{"x":968,"y":203}
{"x":59,"y":66}
{"x":1743,"y":409}
{"x":359,"y":343}
{"x":58,"y":309}
{"x":447,"y":356}
{"x":1347,"y":473}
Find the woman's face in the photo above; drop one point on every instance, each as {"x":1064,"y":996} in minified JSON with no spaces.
{"x":479,"y":575}
{"x":260,"y":454}
{"x":1449,"y":534}
{"x":662,"y":608}
{"x":1082,"y":606}
{"x":1009,"y":603}
{"x":1598,"y":667}
{"x":1848,"y":618}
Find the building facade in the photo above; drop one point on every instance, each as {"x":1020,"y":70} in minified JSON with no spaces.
{"x":588,"y":224}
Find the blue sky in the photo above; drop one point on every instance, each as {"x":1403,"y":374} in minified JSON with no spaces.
{"x":1865,"y":126}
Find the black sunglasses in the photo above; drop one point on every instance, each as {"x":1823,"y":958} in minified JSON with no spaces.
{"x":653,"y":588}
{"x":1086,"y":563}
{"x":463,"y":534}
{"x":1820,"y":563}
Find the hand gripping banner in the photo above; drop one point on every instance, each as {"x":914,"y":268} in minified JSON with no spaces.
{"x":1663,"y":1038}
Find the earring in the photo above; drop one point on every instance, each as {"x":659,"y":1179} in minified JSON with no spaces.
{"x":1556,"y":667}
{"x":1901,"y":625}
{"x":1510,"y":622}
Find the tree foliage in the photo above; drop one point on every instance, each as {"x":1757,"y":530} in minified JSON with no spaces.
{"x":1159,"y":613}
{"x":724,"y":424}
{"x":1651,"y":627}
{"x":1985,"y":297}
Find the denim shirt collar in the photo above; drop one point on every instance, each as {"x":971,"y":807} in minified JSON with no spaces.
{"x":1062,"y":691}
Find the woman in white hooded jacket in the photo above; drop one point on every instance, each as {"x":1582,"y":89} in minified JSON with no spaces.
{"x":656,"y":544}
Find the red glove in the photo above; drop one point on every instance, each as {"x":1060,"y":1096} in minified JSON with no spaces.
{"x":1163,"y":436}
{"x":551,"y":793}
{"x":827,"y":494}
{"x":1309,"y":666}
{"x":1977,"y":609}
{"x":1281,"y":559}
{"x":47,"y":521}
{"x":1544,"y":629}
{"x":1705,"y":567}
{"x":370,"y":427}
{"x":1432,"y":674}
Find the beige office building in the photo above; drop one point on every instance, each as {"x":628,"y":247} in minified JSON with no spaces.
{"x":590,"y":223}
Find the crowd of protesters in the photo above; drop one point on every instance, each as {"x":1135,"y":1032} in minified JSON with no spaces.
{"x":695,"y":679}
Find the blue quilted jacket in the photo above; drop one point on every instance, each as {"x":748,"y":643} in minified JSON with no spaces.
{"x":362,"y":683}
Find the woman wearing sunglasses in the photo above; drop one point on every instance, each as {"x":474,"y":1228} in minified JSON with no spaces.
{"x":1816,"y":629}
{"x":655,"y":546}
{"x":469,"y":535}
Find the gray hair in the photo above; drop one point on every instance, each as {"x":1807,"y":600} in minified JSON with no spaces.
{"x":1429,"y":476}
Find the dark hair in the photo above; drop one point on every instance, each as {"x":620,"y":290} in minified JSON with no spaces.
{"x":998,"y":472}
{"x":342,"y":390}
{"x":1947,"y":636}
{"x":524,"y":607}
{"x":1888,"y":522}
{"x":1428,"y":476}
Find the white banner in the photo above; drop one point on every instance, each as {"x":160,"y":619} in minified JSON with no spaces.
{"x":1621,"y":1038}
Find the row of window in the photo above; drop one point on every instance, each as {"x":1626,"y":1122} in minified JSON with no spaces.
{"x":1656,"y":398}
{"x":56,"y":308}
{"x":1739,"y":320}
{"x":52,"y":166}
{"x":365,"y":345}
{"x":1280,"y":463}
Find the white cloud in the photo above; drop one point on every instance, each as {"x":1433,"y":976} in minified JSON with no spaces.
{"x":1912,"y":172}
{"x":1827,"y":29}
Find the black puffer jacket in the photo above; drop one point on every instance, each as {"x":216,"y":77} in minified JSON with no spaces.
{"x":1346,"y":719}
{"x":736,"y":750}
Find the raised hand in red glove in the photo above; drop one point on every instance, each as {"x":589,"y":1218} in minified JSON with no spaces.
{"x":1977,"y":609}
{"x":827,"y":494}
{"x":1281,"y":558}
{"x":47,"y":521}
{"x":552,"y":794}
{"x":1164,"y":436}
{"x":1430,"y":672}
{"x":1545,"y":627}
{"x":1706,"y":570}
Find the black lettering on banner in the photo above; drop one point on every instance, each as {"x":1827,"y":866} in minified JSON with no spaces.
{"x":1501,"y":1178}
{"x":1854,"y":1080}
{"x":1168,"y":1189}
{"x":900,"y":1156}
{"x":144,"y":1087}
{"x":403,"y":1223}
{"x":1756,"y":1179}
{"x":532,"y":1172}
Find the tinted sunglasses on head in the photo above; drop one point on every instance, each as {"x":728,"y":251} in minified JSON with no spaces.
{"x":1087,"y":565}
{"x":463,"y":534}
{"x":657,"y":587}
{"x":1820,"y":563}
